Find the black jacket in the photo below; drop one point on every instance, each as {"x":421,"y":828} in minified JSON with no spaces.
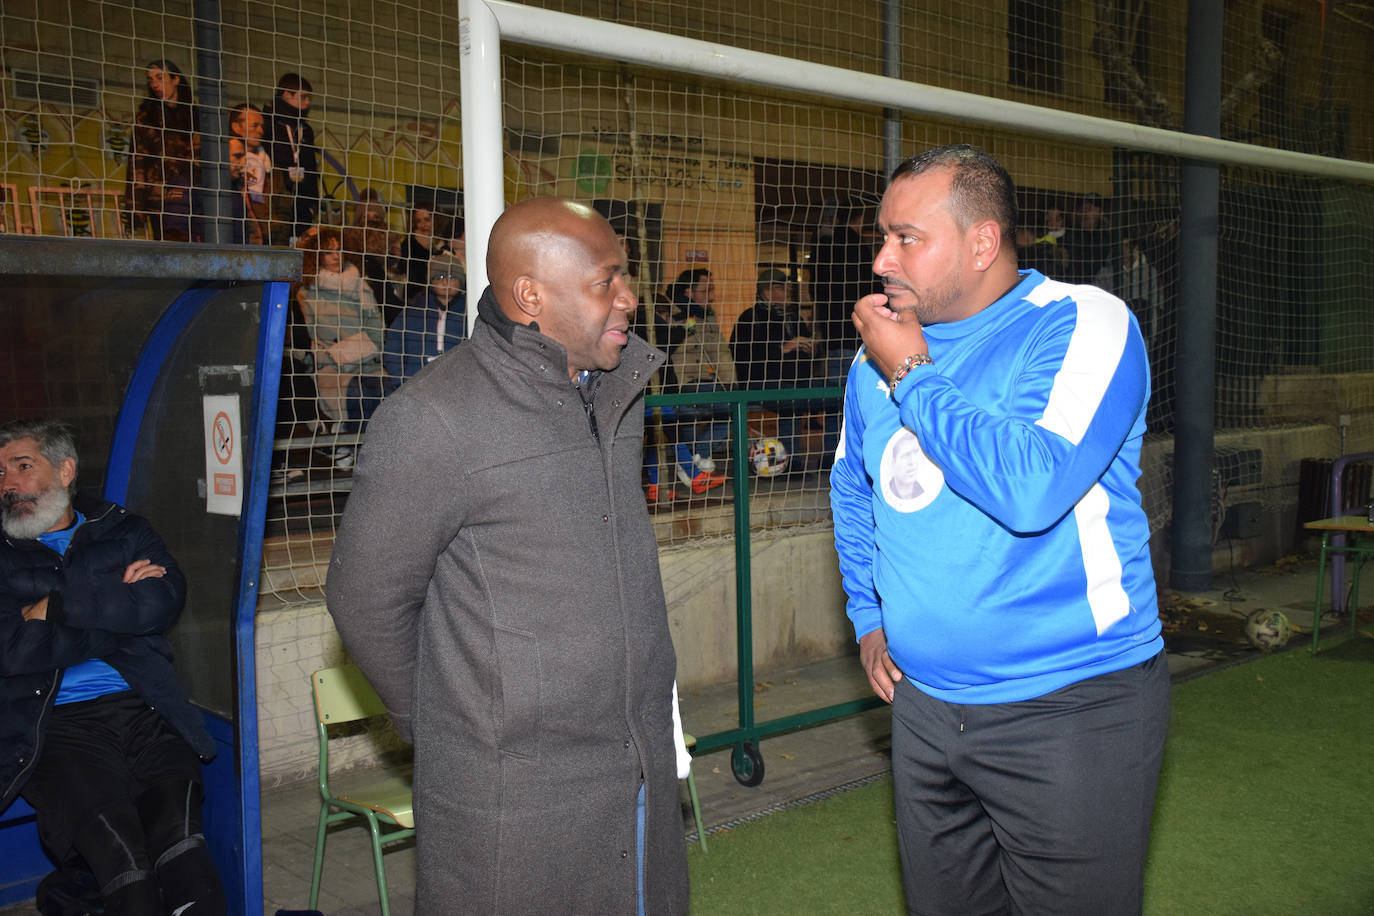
{"x":91,"y":614}
{"x":290,"y":141}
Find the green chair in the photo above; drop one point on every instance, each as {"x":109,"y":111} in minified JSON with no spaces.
{"x":690,"y":743}
{"x":343,"y":695}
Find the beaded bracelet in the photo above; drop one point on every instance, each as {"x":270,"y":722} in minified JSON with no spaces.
{"x":911,"y":362}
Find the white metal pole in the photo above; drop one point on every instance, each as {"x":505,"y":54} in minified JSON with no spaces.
{"x":479,"y":39}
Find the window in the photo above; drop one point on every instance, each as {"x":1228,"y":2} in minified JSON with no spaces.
{"x":1133,"y":26}
{"x":1035,"y":45}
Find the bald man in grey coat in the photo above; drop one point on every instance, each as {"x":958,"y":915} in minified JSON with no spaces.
{"x":496,"y":578}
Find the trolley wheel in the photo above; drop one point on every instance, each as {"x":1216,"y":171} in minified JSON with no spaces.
{"x":747,"y":764}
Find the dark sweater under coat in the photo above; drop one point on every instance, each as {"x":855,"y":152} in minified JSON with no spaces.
{"x":496,"y":577}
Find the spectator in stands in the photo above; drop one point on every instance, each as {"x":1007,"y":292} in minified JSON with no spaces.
{"x":842,"y":273}
{"x":431,"y":325}
{"x":297,"y":413}
{"x":651,"y":324}
{"x":345,"y":328}
{"x":251,"y":169}
{"x":419,"y":245}
{"x":1137,"y":284}
{"x":367,"y":246}
{"x":773,"y":351}
{"x":1090,"y":245}
{"x":1049,"y":253}
{"x":295,"y":159}
{"x":654,"y":319}
{"x":701,"y":364}
{"x":767,"y":344}
{"x":454,"y":239}
{"x":98,"y":736}
{"x":163,"y":161}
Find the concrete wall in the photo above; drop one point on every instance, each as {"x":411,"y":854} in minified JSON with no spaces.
{"x":798,"y":616}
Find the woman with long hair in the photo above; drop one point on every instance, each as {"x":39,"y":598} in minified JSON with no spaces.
{"x":345,"y":328}
{"x":166,"y":149}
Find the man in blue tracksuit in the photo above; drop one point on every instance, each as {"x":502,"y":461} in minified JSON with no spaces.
{"x":995,"y":555}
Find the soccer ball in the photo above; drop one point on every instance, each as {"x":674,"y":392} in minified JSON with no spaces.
{"x":1267,"y":629}
{"x":768,"y":456}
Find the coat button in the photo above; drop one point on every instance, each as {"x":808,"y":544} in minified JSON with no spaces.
{"x":634,"y":374}
{"x":627,"y":744}
{"x":624,"y":853}
{"x":605,"y":518}
{"x":615,"y":403}
{"x":560,"y":402}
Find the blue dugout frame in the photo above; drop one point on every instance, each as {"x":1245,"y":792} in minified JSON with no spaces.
{"x":232,"y":786}
{"x":232,"y":810}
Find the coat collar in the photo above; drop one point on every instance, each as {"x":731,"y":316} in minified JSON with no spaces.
{"x":638,"y":361}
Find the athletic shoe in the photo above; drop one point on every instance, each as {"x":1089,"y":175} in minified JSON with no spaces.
{"x":707,"y":480}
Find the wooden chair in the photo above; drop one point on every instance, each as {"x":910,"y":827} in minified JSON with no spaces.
{"x":343,"y":695}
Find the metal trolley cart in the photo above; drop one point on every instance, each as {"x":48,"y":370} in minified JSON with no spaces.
{"x":746,"y":760}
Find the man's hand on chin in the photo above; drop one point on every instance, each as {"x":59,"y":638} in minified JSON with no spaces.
{"x":889,"y":335}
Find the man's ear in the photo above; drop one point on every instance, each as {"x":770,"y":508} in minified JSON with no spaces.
{"x":987,"y":242}
{"x":66,"y":471}
{"x":529,"y":296}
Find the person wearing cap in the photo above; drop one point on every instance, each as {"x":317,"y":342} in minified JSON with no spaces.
{"x":431,"y":325}
{"x":772,"y":351}
{"x":769,"y":349}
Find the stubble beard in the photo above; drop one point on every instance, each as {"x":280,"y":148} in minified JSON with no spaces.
{"x":931,"y":305}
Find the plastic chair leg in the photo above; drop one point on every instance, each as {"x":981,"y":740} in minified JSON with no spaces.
{"x":696,"y":809}
{"x":377,"y":864}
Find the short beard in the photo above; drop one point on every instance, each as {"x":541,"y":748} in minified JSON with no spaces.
{"x":48,"y":508}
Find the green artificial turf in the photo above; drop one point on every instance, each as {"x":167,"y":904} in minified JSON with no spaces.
{"x":1265,"y":808}
{"x":837,"y":856}
{"x":1266,"y":799}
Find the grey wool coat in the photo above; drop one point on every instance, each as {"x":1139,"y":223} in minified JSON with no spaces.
{"x":496,"y":578}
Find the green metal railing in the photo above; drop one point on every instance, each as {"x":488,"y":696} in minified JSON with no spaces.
{"x":746,"y":761}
